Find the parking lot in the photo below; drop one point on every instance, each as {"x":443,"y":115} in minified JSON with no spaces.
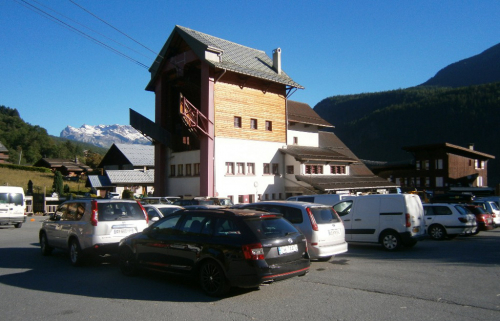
{"x":436,"y":280}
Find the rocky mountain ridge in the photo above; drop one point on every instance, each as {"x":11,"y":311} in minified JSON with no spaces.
{"x":104,"y":135}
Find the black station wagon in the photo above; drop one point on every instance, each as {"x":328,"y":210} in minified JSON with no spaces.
{"x":222,"y":248}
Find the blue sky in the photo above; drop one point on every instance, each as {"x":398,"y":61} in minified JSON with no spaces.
{"x":54,"y":77}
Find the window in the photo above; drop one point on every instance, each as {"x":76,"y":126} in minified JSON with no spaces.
{"x":417,"y":165}
{"x":439,"y":182}
{"x":289,"y":169}
{"x":180,"y":170}
{"x":229,"y":168}
{"x":439,"y":164}
{"x":417,"y":182}
{"x":426,"y":165}
{"x":185,"y":140}
{"x":479,"y":181}
{"x":240,"y":168}
{"x":275,"y":170}
{"x":188,"y":169}
{"x":295,"y":140}
{"x":172,"y":170}
{"x":269,"y":125}
{"x":196,"y":167}
{"x":250,"y":168}
{"x":267,"y":168}
{"x":427,"y":182}
{"x":479,"y":164}
{"x":314,"y":169}
{"x":237,"y":122}
{"x":253,"y":123}
{"x":337,"y":169}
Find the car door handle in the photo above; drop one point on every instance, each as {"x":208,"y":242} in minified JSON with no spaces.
{"x":347,"y":220}
{"x":429,"y":218}
{"x":358,"y":219}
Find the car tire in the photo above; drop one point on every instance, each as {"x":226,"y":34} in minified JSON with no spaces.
{"x":44,"y":245}
{"x":213,"y":280}
{"x":128,"y":264}
{"x":391,"y":241}
{"x":75,"y":253}
{"x":437,"y":232}
{"x":18,"y":225}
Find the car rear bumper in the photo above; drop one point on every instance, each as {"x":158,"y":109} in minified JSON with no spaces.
{"x":319,"y":251}
{"x":263,"y":273}
{"x":12,"y":220}
{"x":101,"y":249}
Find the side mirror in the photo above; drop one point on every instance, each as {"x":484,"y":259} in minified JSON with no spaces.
{"x":155,"y":219}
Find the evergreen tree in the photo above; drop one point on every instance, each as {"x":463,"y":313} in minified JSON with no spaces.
{"x":57,"y":186}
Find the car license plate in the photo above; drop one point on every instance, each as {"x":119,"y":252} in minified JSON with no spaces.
{"x":288,"y":249}
{"x":335,"y":231}
{"x":122,"y":231}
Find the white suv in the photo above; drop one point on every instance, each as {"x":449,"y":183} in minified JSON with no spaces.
{"x":321,"y":226}
{"x":91,"y":226}
{"x":448,"y":220}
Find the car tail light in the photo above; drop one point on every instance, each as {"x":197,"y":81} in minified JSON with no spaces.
{"x":143,"y":212}
{"x":493,"y":215}
{"x":253,"y":251}
{"x":408,"y":220}
{"x":312,"y":219}
{"x":462,"y":219}
{"x":94,"y":215}
{"x":481,"y":218}
{"x":268,"y":216}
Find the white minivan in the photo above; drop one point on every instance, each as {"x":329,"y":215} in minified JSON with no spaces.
{"x":12,"y":206}
{"x":393,"y":220}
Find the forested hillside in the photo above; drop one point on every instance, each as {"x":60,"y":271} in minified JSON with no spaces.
{"x":31,"y":142}
{"x":376,"y":126}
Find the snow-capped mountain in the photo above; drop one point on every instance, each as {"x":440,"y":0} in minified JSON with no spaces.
{"x":105,"y":135}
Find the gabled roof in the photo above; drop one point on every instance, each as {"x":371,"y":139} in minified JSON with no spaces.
{"x":340,"y":183}
{"x":303,"y":113}
{"x":454,"y":149}
{"x":315,"y":154}
{"x":98,"y":181}
{"x":69,"y":164}
{"x":3,"y":149}
{"x":131,"y":176}
{"x":229,"y":56}
{"x":134,"y":154}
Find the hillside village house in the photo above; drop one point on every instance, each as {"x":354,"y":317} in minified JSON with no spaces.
{"x":441,"y":168}
{"x":224,"y":126}
{"x":125,"y":166}
{"x":4,"y":154}
{"x":67,"y":167}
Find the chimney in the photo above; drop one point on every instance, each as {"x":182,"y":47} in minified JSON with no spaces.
{"x":277,"y":60}
{"x":471,"y":146}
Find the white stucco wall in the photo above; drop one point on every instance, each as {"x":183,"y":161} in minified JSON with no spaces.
{"x":248,"y":151}
{"x":307,"y":136}
{"x":184,"y":185}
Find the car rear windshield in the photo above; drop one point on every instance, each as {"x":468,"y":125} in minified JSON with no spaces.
{"x":324,"y":214}
{"x":266,"y":228}
{"x":11,"y":198}
{"x":120,"y":211}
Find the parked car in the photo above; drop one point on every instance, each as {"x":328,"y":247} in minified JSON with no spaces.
{"x":203,"y":207}
{"x":326,"y":199}
{"x":113,"y":195}
{"x":203,"y":201}
{"x":221,"y":248}
{"x":393,"y":220}
{"x":12,"y":206}
{"x":483,"y":219}
{"x":159,"y":200}
{"x":492,"y":208}
{"x":222,"y":201}
{"x":156,"y":212}
{"x":91,"y":227}
{"x":322,"y":227}
{"x":448,"y":220}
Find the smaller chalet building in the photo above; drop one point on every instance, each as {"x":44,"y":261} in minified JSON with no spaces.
{"x":67,"y":167}
{"x":126,"y":166}
{"x":440,"y":167}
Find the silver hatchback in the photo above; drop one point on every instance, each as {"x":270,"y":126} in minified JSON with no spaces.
{"x":321,"y":226}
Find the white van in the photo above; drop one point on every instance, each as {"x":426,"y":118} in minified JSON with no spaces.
{"x":12,"y":206}
{"x":326,"y":199}
{"x":393,"y":220}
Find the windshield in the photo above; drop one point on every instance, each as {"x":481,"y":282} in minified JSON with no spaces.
{"x":168,"y":210}
{"x":120,"y":211}
{"x":11,"y":198}
{"x":324,"y":215}
{"x":271,"y":227}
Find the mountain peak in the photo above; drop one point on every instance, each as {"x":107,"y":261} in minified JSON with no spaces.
{"x":104,"y":135}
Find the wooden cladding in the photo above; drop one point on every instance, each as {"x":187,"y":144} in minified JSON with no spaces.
{"x":255,"y":107}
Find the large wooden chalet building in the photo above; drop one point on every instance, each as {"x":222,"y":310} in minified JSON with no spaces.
{"x":224,"y":126}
